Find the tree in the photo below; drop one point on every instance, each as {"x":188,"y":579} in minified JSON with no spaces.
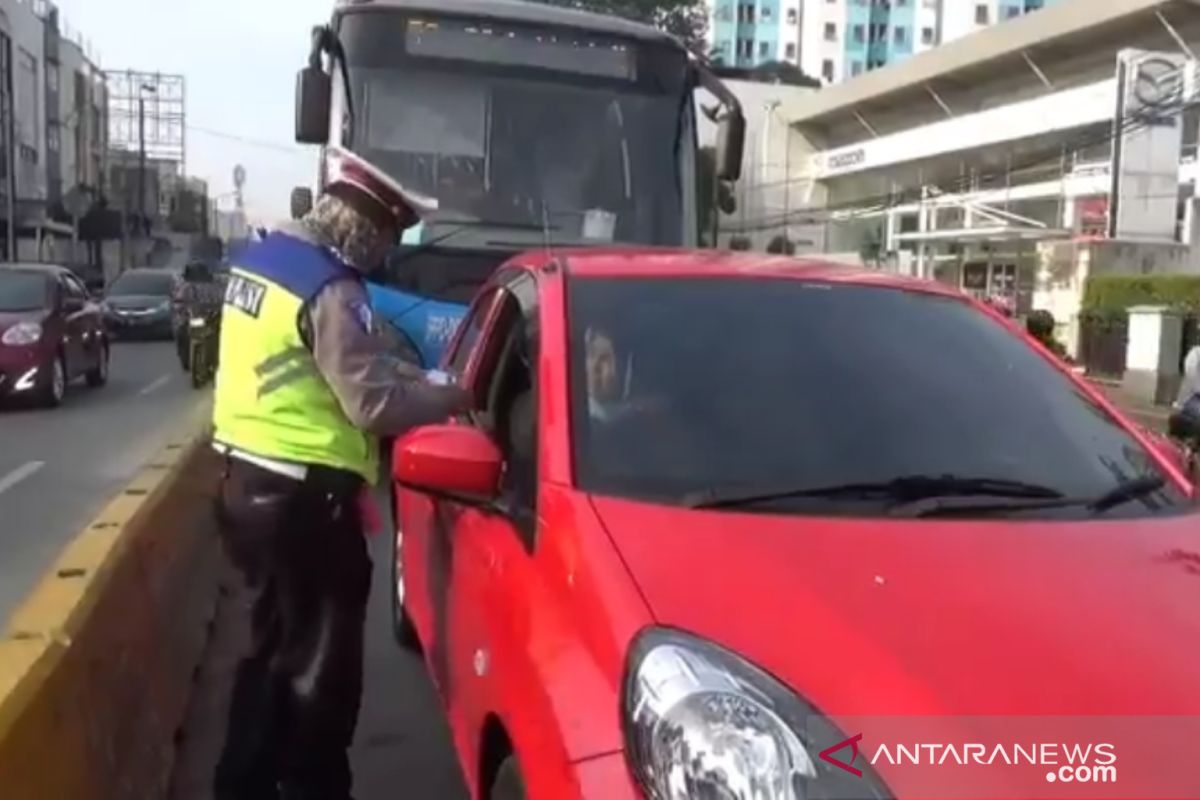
{"x":686,"y":19}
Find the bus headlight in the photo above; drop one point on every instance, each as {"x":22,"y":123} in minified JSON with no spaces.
{"x":701,"y":721}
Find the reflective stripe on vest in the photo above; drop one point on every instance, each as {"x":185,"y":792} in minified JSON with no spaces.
{"x":283,"y":369}
{"x":271,"y":400}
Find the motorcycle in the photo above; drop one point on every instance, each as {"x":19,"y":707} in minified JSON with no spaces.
{"x":203,"y":336}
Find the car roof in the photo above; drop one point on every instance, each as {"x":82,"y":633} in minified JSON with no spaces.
{"x":49,"y":270}
{"x":520,"y":12}
{"x":665,"y":263}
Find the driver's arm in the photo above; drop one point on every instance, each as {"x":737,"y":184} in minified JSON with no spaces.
{"x":378,"y":392}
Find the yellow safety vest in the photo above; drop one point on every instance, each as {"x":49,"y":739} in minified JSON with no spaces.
{"x":270,"y":399}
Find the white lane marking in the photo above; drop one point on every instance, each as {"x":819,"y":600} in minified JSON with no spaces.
{"x":154,"y":386}
{"x":19,"y":474}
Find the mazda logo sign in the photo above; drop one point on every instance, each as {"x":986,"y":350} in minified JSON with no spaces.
{"x":1157,"y":83}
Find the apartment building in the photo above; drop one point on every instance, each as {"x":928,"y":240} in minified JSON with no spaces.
{"x":747,"y":33}
{"x":835,"y":40}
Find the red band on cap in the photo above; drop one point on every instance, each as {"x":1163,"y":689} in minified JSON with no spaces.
{"x":351,"y":173}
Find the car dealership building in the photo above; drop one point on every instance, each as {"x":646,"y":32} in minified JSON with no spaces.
{"x":1016,"y":161}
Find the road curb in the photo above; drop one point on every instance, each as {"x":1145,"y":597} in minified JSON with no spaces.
{"x":96,"y":665}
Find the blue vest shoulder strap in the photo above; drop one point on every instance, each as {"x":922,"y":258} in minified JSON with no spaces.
{"x":302,"y":268}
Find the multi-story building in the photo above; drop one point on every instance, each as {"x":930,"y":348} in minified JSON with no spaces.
{"x":747,"y":33}
{"x":22,"y":110}
{"x":839,"y":39}
{"x":82,"y":130}
{"x":52,"y":128}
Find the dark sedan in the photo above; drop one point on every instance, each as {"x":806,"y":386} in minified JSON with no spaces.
{"x":51,"y":334}
{"x":139,"y":304}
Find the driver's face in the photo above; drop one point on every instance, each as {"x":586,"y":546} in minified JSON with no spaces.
{"x":601,"y":367}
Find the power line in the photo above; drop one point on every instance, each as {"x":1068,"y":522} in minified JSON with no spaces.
{"x":234,"y":137}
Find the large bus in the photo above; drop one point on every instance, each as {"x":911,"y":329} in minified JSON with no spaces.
{"x":533,"y":125}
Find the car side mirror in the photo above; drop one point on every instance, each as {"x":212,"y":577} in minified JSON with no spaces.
{"x":314,"y":90}
{"x":731,"y":142}
{"x":302,"y":201}
{"x":454,"y":462}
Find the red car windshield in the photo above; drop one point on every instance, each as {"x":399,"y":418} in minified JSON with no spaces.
{"x":23,"y":291}
{"x":686,"y":386}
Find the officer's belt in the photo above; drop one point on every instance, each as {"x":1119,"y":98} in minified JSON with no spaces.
{"x":288,"y":469}
{"x":329,"y":479}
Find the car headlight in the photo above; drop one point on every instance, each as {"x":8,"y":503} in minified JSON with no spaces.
{"x":701,"y":721}
{"x":197,"y":322}
{"x":165,"y":305}
{"x":23,"y":333}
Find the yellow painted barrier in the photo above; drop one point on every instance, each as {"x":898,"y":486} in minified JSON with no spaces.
{"x":97,"y":665}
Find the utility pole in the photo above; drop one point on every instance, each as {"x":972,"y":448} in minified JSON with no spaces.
{"x":141,"y":168}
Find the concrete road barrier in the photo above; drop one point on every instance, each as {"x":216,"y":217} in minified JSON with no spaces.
{"x":97,"y":666}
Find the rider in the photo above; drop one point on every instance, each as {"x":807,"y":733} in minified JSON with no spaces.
{"x":1040,"y":325}
{"x":200,"y":294}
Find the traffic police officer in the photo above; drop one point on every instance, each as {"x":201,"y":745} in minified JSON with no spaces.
{"x":303,"y":392}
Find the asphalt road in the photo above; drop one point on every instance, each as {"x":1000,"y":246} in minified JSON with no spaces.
{"x":402,"y":748}
{"x":59,"y":467}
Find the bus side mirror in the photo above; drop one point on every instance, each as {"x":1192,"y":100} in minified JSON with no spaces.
{"x":731,"y":141}
{"x":314,"y":89}
{"x":302,"y":201}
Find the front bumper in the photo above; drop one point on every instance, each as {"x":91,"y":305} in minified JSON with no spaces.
{"x":23,"y":380}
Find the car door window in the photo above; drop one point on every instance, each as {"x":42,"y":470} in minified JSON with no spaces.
{"x":469,"y":332}
{"x":73,"y":292}
{"x":64,"y":300}
{"x":508,"y":389}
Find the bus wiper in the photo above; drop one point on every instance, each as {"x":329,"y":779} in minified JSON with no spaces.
{"x":905,"y":489}
{"x":1123,"y":493}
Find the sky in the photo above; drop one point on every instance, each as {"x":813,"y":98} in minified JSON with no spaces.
{"x":239,"y":59}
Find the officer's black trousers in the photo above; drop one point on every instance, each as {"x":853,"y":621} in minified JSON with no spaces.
{"x":300,"y":548}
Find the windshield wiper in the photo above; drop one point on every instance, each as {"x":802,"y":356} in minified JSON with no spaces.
{"x":1122,"y":493}
{"x":905,"y":489}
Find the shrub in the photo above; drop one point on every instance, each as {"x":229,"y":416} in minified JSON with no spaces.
{"x":1107,"y":296}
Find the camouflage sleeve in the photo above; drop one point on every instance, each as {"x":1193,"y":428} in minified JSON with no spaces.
{"x":378,"y":392}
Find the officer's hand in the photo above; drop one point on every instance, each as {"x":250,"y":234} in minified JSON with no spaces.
{"x":458,"y":399}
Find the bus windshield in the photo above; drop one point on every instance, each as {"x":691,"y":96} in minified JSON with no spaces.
{"x":525,"y":137}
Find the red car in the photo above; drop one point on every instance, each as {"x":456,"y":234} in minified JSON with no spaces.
{"x":51,"y":333}
{"x":714,"y":509}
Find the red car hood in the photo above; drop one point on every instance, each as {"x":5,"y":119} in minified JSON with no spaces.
{"x":871,"y":617}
